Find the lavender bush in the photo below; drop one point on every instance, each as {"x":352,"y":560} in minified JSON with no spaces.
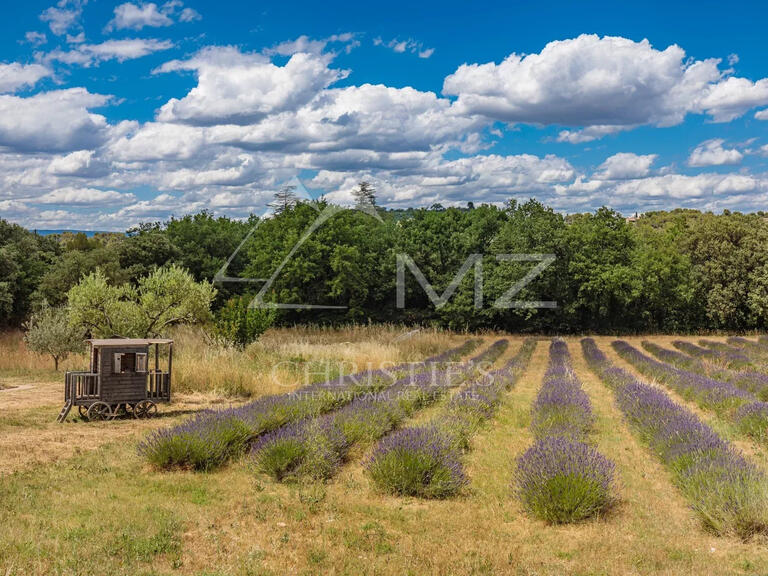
{"x":752,"y":420}
{"x":725,"y":347}
{"x":756,"y":346}
{"x":697,"y":389}
{"x":211,"y":438}
{"x":729,"y":494}
{"x":469,"y":408}
{"x":326,"y":439}
{"x":416,"y":461}
{"x":560,"y":478}
{"x":754,"y":350}
{"x":425,"y":461}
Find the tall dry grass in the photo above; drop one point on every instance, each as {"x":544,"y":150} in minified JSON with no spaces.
{"x":281,"y":360}
{"x":286,"y":358}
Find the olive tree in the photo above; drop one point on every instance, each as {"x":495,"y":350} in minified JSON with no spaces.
{"x":49,"y":332}
{"x":164,"y":298}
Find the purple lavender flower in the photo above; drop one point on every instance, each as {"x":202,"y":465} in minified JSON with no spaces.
{"x":748,"y":380}
{"x":752,"y":420}
{"x":424,"y":461}
{"x":730,"y":359}
{"x":561,"y":478}
{"x":561,"y":408}
{"x":316,"y":446}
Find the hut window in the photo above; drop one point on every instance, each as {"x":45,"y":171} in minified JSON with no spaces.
{"x":141,"y":362}
{"x":124,"y":362}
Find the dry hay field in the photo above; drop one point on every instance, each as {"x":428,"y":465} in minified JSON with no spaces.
{"x":501,"y":454}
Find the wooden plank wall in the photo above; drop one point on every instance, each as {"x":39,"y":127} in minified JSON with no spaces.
{"x":126,"y":387}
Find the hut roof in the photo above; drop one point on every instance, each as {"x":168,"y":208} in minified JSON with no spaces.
{"x":128,"y":341}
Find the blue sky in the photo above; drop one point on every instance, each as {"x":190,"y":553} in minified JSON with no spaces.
{"x":113,"y":113}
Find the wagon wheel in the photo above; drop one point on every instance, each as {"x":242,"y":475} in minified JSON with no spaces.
{"x":83,"y":411}
{"x":99,"y":411}
{"x":145,"y":409}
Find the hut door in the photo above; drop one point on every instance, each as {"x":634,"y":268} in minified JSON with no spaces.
{"x":95,"y":360}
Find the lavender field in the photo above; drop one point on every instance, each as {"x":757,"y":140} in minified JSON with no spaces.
{"x":527,"y":454}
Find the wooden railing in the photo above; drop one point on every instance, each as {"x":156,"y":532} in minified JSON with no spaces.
{"x":81,"y":386}
{"x":158,"y":385}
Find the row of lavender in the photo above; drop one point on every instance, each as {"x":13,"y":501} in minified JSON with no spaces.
{"x":759,"y":346}
{"x":735,"y":404}
{"x":753,"y":382}
{"x":731,"y":359}
{"x":425,"y":461}
{"x":728,"y":492}
{"x":561,"y":477}
{"x":755,"y":352}
{"x":213,"y":437}
{"x":316,"y":447}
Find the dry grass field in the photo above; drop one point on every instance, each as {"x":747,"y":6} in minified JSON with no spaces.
{"x":76,"y":498}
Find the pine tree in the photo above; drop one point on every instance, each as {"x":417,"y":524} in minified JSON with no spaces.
{"x":285,"y":198}
{"x":365,"y":195}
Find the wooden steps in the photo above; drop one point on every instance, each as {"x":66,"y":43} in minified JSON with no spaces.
{"x":64,"y":411}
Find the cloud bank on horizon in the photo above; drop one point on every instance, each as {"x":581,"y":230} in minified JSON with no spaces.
{"x":114,"y":119}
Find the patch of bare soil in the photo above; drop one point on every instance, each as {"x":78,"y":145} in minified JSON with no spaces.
{"x":30,"y":435}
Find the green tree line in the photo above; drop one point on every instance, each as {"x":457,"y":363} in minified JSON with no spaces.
{"x":671,"y":271}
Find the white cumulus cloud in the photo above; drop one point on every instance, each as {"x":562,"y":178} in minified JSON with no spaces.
{"x":15,"y":75}
{"x":625,"y":165}
{"x":35,"y":38}
{"x":59,"y":120}
{"x":240,"y":88}
{"x":64,"y":16}
{"x":402,"y":46}
{"x":607,"y":83}
{"x":712,"y":153}
{"x":121,"y":50}
{"x":85,"y":196}
{"x":138,"y":16}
